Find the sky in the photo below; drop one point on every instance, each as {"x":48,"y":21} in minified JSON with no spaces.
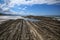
{"x":30,"y":7}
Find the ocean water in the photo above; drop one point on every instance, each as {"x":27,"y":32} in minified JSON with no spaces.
{"x":5,"y":18}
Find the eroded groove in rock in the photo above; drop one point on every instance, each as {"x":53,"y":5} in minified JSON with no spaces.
{"x":21,"y":29}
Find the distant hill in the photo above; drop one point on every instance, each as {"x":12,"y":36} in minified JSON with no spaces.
{"x":1,"y":14}
{"x":4,"y":14}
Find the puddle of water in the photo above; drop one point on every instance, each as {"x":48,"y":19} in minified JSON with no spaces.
{"x":33,"y":20}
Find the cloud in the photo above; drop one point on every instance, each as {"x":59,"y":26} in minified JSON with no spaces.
{"x":14,"y":12}
{"x":5,"y":8}
{"x":52,"y":1}
{"x":24,"y":8}
{"x":31,"y":2}
{"x":11,"y":3}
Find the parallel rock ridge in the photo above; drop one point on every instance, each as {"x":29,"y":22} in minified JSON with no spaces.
{"x":27,"y":30}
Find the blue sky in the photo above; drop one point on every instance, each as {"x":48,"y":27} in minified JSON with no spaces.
{"x":30,"y":7}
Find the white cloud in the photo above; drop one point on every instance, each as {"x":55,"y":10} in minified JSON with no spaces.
{"x":14,"y":12}
{"x":19,"y":2}
{"x":11,"y":3}
{"x":52,"y":1}
{"x":24,"y":8}
{"x":5,"y":8}
{"x":19,"y":8}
